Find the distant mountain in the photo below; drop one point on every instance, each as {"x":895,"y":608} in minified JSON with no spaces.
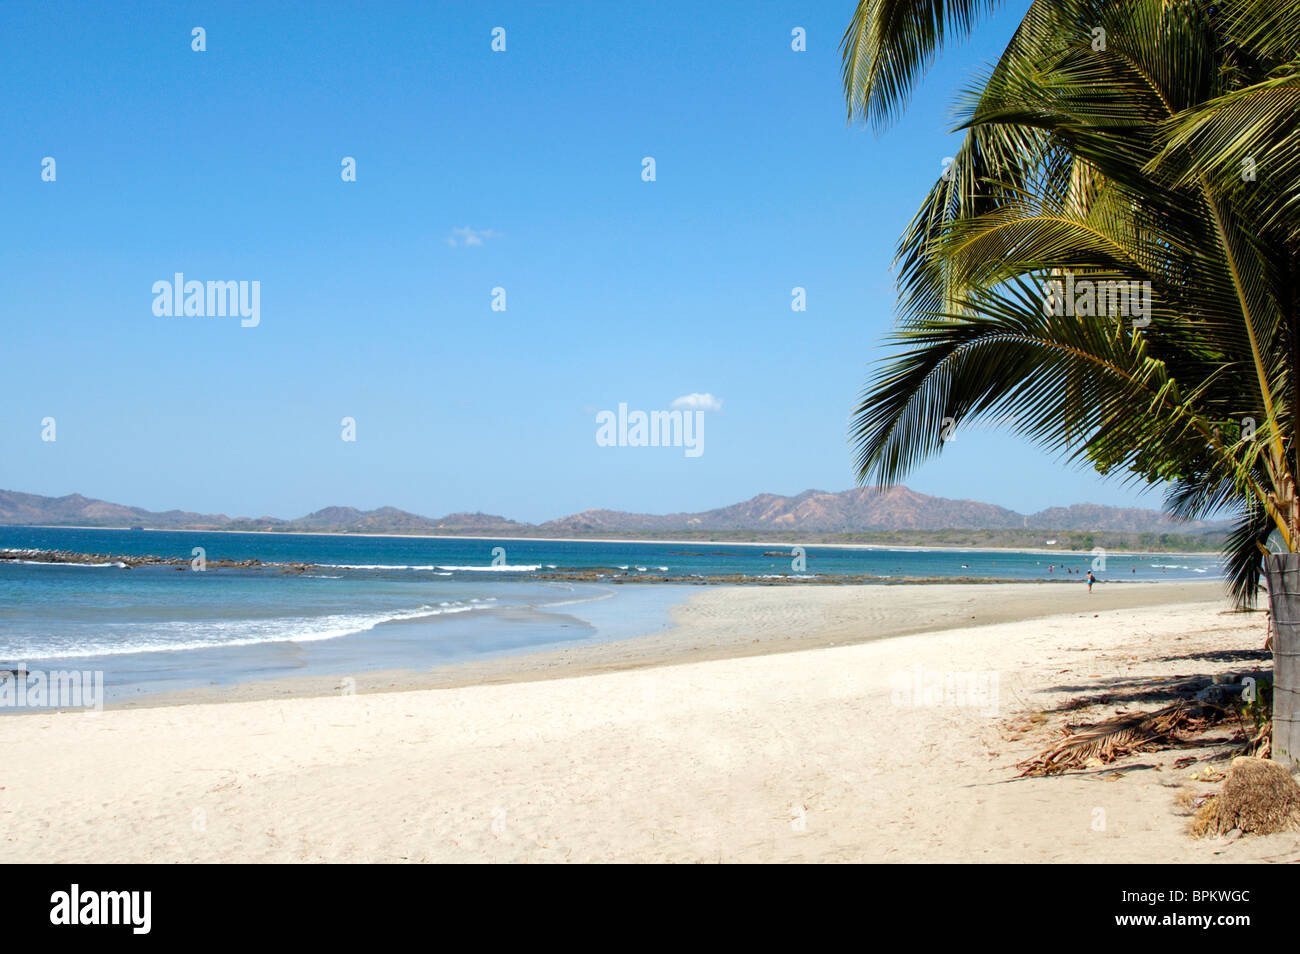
{"x":866,"y":509}
{"x":1093,"y":516}
{"x":384,"y":520}
{"x":75,"y":510}
{"x":850,"y":511}
{"x":860,"y":510}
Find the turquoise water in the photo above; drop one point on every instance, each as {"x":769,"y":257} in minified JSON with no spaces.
{"x":394,"y":602}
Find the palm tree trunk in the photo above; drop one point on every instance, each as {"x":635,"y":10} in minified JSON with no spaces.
{"x":1283,"y":573}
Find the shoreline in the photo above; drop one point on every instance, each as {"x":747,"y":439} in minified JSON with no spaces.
{"x":597,"y":575}
{"x":705,"y":629}
{"x":803,"y":752}
{"x":667,"y":541}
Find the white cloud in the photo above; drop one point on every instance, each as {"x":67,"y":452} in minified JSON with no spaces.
{"x":471,"y":237}
{"x":699,"y":402}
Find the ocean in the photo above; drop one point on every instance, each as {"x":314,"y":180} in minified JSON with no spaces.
{"x":374,"y":602}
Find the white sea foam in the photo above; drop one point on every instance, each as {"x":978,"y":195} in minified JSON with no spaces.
{"x":116,"y":563}
{"x":503,"y":568}
{"x":220,"y":634}
{"x":446,"y":570}
{"x":379,"y":566}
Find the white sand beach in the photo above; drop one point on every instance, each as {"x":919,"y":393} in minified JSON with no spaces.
{"x":684,"y":747}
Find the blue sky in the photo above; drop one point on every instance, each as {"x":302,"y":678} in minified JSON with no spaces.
{"x":225,"y":165}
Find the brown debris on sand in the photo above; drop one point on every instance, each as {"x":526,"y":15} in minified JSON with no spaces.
{"x":1110,"y":740}
{"x":1259,"y":797}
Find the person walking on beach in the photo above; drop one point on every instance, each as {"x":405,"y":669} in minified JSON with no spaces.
{"x":1091,"y":580}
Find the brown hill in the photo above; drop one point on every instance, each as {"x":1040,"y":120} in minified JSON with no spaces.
{"x":860,"y":510}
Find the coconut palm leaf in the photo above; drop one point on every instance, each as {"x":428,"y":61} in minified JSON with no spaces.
{"x":1109,"y":741}
{"x":1246,"y":143}
{"x":890,"y":43}
{"x":1097,"y":149}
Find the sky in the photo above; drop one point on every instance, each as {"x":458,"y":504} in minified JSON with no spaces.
{"x":475,"y":169}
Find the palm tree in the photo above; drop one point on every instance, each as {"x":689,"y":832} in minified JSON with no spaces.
{"x":1111,"y":261}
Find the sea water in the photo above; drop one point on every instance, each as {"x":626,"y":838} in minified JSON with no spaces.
{"x":383,"y":602}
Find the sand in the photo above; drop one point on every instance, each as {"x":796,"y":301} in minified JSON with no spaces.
{"x":805,"y":751}
{"x":757,"y":621}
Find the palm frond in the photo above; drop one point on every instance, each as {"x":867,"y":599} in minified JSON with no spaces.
{"x":1109,"y":740}
{"x":890,"y":43}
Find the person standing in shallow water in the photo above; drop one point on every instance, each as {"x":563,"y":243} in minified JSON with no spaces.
{"x":1091,"y":580}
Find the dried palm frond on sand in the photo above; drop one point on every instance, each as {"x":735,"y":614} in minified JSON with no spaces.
{"x":1110,"y":740}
